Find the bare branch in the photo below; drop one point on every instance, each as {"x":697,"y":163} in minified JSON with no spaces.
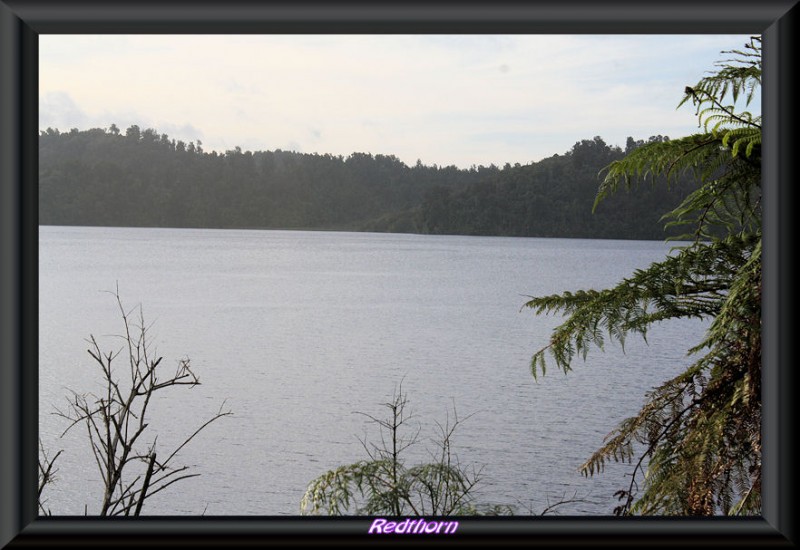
{"x":116,"y":422}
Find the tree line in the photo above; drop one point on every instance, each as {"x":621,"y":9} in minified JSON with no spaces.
{"x":695,"y":445}
{"x":141,"y":178}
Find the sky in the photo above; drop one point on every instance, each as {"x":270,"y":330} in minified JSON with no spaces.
{"x":459,"y":100}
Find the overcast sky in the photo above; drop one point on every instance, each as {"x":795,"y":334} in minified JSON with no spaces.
{"x":450,"y":99}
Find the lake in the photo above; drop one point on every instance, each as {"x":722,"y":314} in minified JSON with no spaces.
{"x":297,"y":331}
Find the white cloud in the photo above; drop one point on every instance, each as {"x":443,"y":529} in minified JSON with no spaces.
{"x":57,"y":109}
{"x":445,"y":99}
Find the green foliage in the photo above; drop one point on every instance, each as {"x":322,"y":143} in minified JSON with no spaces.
{"x":140,"y":178}
{"x":696,"y":441}
{"x":385,"y":485}
{"x":549,"y":198}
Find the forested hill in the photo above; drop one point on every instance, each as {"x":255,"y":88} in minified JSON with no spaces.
{"x":143,"y":178}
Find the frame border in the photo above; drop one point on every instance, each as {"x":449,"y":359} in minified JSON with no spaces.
{"x":21,"y":21}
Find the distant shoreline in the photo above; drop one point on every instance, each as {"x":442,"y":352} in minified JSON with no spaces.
{"x":318,"y":230}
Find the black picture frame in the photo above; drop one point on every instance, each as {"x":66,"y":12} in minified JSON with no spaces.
{"x":21,"y":21}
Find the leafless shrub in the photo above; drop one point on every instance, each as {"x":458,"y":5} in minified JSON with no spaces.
{"x":116,"y":421}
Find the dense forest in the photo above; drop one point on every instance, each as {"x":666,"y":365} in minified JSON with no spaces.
{"x":143,"y":178}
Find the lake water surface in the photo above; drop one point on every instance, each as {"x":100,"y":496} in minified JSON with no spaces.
{"x":296,"y":331}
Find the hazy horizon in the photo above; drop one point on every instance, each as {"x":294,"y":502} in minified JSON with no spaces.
{"x":441,"y":99}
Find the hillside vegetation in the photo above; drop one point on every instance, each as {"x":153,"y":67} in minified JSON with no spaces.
{"x":140,"y":178}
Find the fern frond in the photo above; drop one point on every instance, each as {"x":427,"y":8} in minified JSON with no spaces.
{"x":690,"y":284}
{"x":669,"y":159}
{"x":696,"y":442}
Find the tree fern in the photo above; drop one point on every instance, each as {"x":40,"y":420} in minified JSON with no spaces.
{"x":695,"y":446}
{"x":385,"y":485}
